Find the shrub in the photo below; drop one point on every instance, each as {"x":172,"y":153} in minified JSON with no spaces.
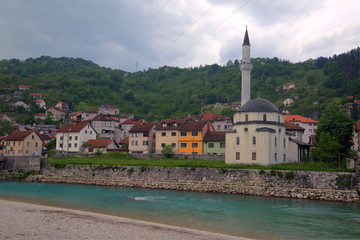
{"x":167,"y":150}
{"x":98,"y":153}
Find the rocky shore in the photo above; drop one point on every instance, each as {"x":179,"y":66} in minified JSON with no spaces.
{"x":329,"y":186}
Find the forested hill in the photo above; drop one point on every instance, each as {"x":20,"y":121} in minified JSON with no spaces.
{"x":175,"y":92}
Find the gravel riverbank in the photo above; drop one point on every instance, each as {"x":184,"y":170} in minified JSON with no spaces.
{"x":29,"y":221}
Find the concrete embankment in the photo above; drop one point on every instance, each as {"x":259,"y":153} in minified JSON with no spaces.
{"x":332,"y":186}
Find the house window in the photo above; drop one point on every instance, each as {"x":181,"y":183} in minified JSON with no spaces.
{"x":275,"y":157}
{"x":27,"y":144}
{"x":183,"y":134}
{"x":284,"y":142}
{"x":163,"y":145}
{"x":69,"y":145}
{"x":70,"y":138}
{"x":194,"y":145}
{"x":90,"y":133}
{"x":310,"y":130}
{"x":222,"y":145}
{"x":95,"y":124}
{"x":132,"y":143}
{"x":246,"y":118}
{"x":275,"y":142}
{"x":163,"y":134}
{"x":173,"y":134}
{"x":91,"y":150}
{"x":237,"y":156}
{"x":218,"y":126}
{"x":253,"y":156}
{"x":211,"y":145}
{"x":61,"y":145}
{"x":145,"y":135}
{"x":254,"y":141}
{"x":132,"y":134}
{"x":310,"y":124}
{"x":145,"y":143}
{"x":85,"y":131}
{"x":136,"y":134}
{"x":194,"y":134}
{"x":164,"y":125}
{"x":32,"y":137}
{"x":284,"y":157}
{"x":173,"y":145}
{"x":183,"y":145}
{"x":61,"y":138}
{"x":75,"y":145}
{"x":136,"y":142}
{"x":264,"y":117}
{"x":76,"y":137}
{"x":36,"y":144}
{"x":237,"y":141}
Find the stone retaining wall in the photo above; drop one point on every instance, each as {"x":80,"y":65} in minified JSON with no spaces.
{"x":22,"y":162}
{"x":179,"y":156}
{"x":292,"y":184}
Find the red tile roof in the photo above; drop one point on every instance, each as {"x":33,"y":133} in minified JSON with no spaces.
{"x":101,"y":143}
{"x":105,"y":117}
{"x":209,"y":117}
{"x":35,"y":94}
{"x":357,"y":126}
{"x":133,"y":121}
{"x":24,"y":86}
{"x":298,"y":118}
{"x":39,"y":114}
{"x":142,"y":127}
{"x":76,"y":114}
{"x":40,"y":100}
{"x":215,"y":136}
{"x":171,"y":124}
{"x":73,"y":127}
{"x":125,"y":140}
{"x":291,"y":126}
{"x":194,"y":125}
{"x":287,"y":84}
{"x":18,"y":135}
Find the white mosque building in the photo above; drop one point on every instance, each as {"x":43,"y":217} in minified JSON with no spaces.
{"x":258,"y":135}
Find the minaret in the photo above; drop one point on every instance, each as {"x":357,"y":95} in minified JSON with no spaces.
{"x":245,"y":68}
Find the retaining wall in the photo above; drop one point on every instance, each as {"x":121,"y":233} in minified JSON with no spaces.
{"x":22,"y":163}
{"x":332,"y":186}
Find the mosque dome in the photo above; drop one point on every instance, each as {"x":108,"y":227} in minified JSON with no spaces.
{"x":259,"y":105}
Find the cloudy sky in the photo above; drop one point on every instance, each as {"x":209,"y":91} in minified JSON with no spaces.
{"x":139,"y":34}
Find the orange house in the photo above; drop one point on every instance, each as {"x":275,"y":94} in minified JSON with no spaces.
{"x":191,"y":136}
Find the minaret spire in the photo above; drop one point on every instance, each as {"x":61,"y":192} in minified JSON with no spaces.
{"x":245,"y":68}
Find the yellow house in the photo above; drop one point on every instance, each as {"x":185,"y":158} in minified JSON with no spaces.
{"x":288,"y":86}
{"x":191,"y":136}
{"x":288,"y":102}
{"x":167,"y":133}
{"x":23,"y":143}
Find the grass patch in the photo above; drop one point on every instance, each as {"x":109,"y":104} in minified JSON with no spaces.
{"x":123,"y":159}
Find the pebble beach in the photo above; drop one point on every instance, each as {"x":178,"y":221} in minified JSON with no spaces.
{"x":20,"y":220}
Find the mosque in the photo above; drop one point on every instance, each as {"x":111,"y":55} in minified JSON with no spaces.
{"x":259,"y":133}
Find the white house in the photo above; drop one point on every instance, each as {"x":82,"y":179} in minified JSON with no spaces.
{"x":308,"y":124}
{"x":70,"y":137}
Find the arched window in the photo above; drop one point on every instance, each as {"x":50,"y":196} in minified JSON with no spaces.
{"x":246,"y":118}
{"x":237,"y":141}
{"x":264,"y":117}
{"x":254,"y":140}
{"x":275,"y":142}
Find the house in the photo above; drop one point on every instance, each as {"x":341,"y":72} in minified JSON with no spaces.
{"x":123,"y":118}
{"x":76,"y":116}
{"x":142,"y":137}
{"x":55,"y":113}
{"x":191,"y":136}
{"x":41,"y":103}
{"x":21,"y":104}
{"x":289,"y":86}
{"x":90,"y":114}
{"x":285,"y":111}
{"x":167,"y":133}
{"x":125,"y":127}
{"x":109,"y":109}
{"x":6,"y":86}
{"x":356,"y":138}
{"x":294,"y":130}
{"x":214,"y":142}
{"x":105,"y":125}
{"x":62,"y":105}
{"x":71,"y":136}
{"x":219,"y":123}
{"x":36,"y":95}
{"x":124,"y":144}
{"x":101,"y":145}
{"x":24,"y":87}
{"x":288,"y":102}
{"x":39,"y":116}
{"x":23,"y":143}
{"x":308,"y":124}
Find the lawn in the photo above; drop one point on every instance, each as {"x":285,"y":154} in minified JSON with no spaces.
{"x":121,"y":159}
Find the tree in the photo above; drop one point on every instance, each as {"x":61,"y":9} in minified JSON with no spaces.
{"x":326,"y":148}
{"x":167,"y":150}
{"x":5,"y":127}
{"x":338,"y":124}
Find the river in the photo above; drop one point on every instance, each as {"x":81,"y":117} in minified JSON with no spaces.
{"x":245,"y":216}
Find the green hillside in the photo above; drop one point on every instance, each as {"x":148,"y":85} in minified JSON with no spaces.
{"x":175,"y":92}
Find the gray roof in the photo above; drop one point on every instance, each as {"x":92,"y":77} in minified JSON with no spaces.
{"x":259,"y":105}
{"x":246,"y":39}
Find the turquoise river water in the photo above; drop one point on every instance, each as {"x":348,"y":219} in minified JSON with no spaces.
{"x":246,"y":216}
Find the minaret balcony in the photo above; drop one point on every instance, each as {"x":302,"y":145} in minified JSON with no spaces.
{"x":246,"y":66}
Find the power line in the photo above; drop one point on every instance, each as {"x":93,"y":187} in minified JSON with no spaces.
{"x":142,"y":30}
{"x":181,"y":34}
{"x":205,"y":34}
